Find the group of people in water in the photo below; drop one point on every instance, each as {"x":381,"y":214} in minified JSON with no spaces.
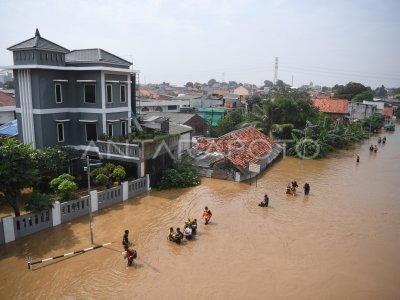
{"x":291,"y":188}
{"x":129,"y":253}
{"x":375,"y":148}
{"x":189,"y":229}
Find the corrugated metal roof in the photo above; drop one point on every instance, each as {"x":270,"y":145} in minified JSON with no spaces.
{"x":37,"y":42}
{"x":178,"y":118}
{"x":94,"y":55}
{"x":9,"y":129}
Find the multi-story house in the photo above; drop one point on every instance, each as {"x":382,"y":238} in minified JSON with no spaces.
{"x":68,"y":97}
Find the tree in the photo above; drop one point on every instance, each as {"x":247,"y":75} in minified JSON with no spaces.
{"x":52,"y":162}
{"x":9,"y":85}
{"x":232,"y":84}
{"x":17,"y":171}
{"x":109,"y":175}
{"x":366,"y":95}
{"x":381,"y":92}
{"x":230,"y":122}
{"x":211,"y":82}
{"x":268,"y":83}
{"x":37,"y":201}
{"x":182,"y":174}
{"x":350,"y":90}
{"x":189,"y":84}
{"x":64,"y":188}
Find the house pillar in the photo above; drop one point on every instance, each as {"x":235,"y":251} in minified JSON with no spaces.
{"x":8,"y":227}
{"x":125,"y":187}
{"x":56,"y":212}
{"x":94,"y":201}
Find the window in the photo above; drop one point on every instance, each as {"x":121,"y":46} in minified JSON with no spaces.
{"x":158,"y":108}
{"x":172,"y":107}
{"x":123,"y":128}
{"x":110,"y":129}
{"x":60,"y":132}
{"x":58,"y":92}
{"x":145,"y":109}
{"x":91,"y":132}
{"x":123,"y":93}
{"x":109,"y":93}
{"x":90,"y":93}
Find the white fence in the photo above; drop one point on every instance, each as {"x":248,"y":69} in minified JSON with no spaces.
{"x":12,"y":228}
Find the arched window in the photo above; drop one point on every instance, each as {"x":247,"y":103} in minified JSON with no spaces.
{"x":158,"y":108}
{"x":145,"y":109}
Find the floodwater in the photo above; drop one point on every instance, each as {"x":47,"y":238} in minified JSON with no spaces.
{"x":340,"y":242}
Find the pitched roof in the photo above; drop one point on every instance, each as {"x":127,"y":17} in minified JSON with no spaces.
{"x":178,"y":118}
{"x":6,"y":99}
{"x":37,"y":42}
{"x":94,"y":55}
{"x":240,"y":147}
{"x":333,"y":106}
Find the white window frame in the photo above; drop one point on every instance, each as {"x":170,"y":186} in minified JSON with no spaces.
{"x":120,"y":93}
{"x":110,"y":126}
{"x":124,"y":124}
{"x":55,"y":92}
{"x":58,"y":133}
{"x":109,"y":85}
{"x":84,"y":93}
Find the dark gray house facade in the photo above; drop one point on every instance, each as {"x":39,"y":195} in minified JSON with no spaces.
{"x":68,"y":97}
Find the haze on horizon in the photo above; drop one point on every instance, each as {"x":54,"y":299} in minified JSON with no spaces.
{"x":235,"y":40}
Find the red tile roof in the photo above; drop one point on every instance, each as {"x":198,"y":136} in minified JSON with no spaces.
{"x":6,"y":99}
{"x":333,"y":106}
{"x":388,"y":111}
{"x":240,"y":147}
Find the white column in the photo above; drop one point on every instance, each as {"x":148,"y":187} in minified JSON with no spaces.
{"x":148,"y":182}
{"x":8,"y":227}
{"x":129,"y":102}
{"x":103,"y":101}
{"x":142,"y":169}
{"x":125,"y":187}
{"x":94,"y":201}
{"x":237,"y":176}
{"x":56,"y":211}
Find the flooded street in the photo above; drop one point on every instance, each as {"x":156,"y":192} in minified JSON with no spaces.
{"x":341,"y":241}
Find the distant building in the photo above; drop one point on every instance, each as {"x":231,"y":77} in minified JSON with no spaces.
{"x":359,"y":111}
{"x":194,"y":121}
{"x":243,"y":93}
{"x":7,"y":108}
{"x":144,"y":106}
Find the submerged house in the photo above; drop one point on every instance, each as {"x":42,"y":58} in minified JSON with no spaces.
{"x":229,"y":156}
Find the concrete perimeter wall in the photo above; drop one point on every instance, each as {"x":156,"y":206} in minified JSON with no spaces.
{"x":12,"y":228}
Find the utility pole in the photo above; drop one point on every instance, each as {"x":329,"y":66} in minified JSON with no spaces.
{"x":276,"y":70}
{"x":90,"y":200}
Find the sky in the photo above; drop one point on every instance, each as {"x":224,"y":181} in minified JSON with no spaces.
{"x":176,"y":41}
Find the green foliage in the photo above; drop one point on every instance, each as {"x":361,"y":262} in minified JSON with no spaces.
{"x":64,"y":188}
{"x":283,"y":110}
{"x":366,"y":95}
{"x":376,"y":122}
{"x":324,"y":135}
{"x":181,"y":175}
{"x":211,"y":82}
{"x":381,"y":92}
{"x":350,"y":90}
{"x":268,"y":83}
{"x":189,"y":84}
{"x":230,"y":122}
{"x":37,"y":201}
{"x":108,"y":174}
{"x":53,"y":161}
{"x":18,"y":170}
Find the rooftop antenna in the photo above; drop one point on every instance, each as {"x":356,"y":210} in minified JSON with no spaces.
{"x":276,"y":70}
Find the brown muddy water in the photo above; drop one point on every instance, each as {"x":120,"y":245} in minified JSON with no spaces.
{"x":340,"y":242}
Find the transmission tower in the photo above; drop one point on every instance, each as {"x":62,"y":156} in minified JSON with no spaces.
{"x":276,"y":70}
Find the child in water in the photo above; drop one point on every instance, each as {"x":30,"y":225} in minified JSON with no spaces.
{"x":207,"y":215}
